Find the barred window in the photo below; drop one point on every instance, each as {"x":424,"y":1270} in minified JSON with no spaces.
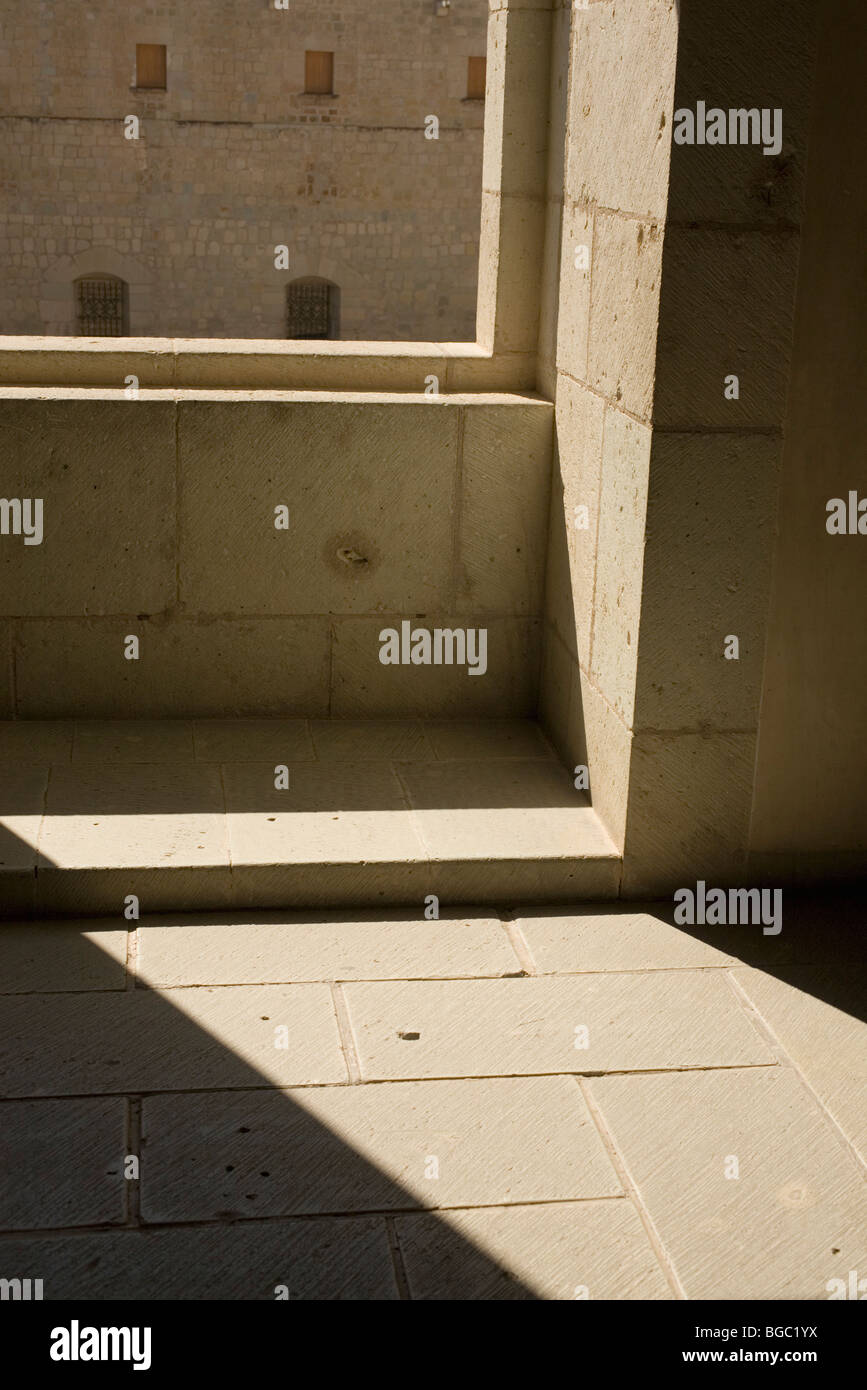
{"x":312,"y":309}
{"x":100,"y":306}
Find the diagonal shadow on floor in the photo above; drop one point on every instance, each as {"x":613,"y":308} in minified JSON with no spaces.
{"x":227,"y":1167}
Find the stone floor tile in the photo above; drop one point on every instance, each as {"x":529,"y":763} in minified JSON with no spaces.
{"x":251,"y":740}
{"x":323,"y":1259}
{"x":595,"y":1250}
{"x":17,"y":890}
{"x":48,"y":957}
{"x":283,"y":947}
{"x":62,"y":1163}
{"x":611,"y":938}
{"x":368,"y":1148}
{"x":817,"y":1012}
{"x":794,"y":1218}
{"x":35,"y":740}
{"x":355,"y":740}
{"x":329,"y":813}
{"x":505,"y":809}
{"x":23,"y":798}
{"x":133,"y":741}
{"x":528,"y":1026}
{"x":175,"y":1040}
{"x":461,"y":739}
{"x":124,"y":815}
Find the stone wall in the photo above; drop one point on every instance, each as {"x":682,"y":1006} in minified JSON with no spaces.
{"x":160,"y":523}
{"x":233,"y":160}
{"x":687,"y":282}
{"x":810,"y":810}
{"x":611,"y":102}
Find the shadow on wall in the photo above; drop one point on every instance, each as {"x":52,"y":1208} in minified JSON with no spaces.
{"x":562,"y":645}
{"x":729,"y":215}
{"x":560,"y":709}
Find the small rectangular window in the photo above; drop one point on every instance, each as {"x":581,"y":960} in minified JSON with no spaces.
{"x":100,"y":306}
{"x":319,"y":73}
{"x":311,"y":309}
{"x":150,"y":66}
{"x":476,"y":73}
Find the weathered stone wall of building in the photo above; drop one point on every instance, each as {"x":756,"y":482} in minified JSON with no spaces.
{"x":611,"y":100}
{"x":670,"y":277}
{"x":234,"y":159}
{"x":810,"y":806}
{"x":161,"y":521}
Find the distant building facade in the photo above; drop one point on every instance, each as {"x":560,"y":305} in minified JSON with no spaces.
{"x":232,"y":169}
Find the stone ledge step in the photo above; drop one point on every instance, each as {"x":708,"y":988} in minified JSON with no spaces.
{"x":186,"y":815}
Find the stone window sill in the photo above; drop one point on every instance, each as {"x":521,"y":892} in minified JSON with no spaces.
{"x":251,"y":364}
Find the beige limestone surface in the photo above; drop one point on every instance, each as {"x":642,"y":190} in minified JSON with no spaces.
{"x":246,"y":161}
{"x":257,"y":543}
{"x":703,"y":1147}
{"x":259,"y":813}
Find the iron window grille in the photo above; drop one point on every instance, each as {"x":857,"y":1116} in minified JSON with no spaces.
{"x":311,"y":310}
{"x":100,"y":306}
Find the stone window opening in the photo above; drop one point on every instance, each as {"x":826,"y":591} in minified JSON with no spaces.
{"x":476,"y":78}
{"x":318,"y":73}
{"x":312,"y":308}
{"x":480,"y":303}
{"x":101,"y":306}
{"x":150,"y":66}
